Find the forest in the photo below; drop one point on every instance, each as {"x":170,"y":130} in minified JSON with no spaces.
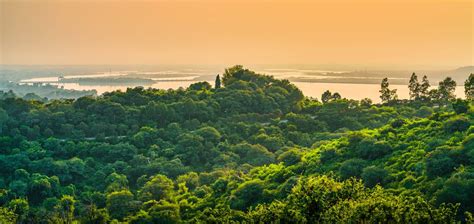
{"x":40,"y":91}
{"x":248,"y":149}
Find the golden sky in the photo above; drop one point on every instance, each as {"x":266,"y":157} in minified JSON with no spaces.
{"x":415,"y":32}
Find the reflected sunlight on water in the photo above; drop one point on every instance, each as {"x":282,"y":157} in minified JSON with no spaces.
{"x":351,"y":91}
{"x":168,"y":80}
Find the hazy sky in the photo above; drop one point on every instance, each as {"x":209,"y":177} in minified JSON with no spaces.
{"x":415,"y":32}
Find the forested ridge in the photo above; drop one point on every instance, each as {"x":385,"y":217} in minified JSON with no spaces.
{"x":250,"y":149}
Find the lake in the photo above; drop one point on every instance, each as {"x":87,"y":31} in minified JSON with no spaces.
{"x":312,"y":89}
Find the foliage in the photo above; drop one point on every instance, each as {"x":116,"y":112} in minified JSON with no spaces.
{"x":446,"y":89}
{"x":387,"y":95}
{"x":469,"y":87}
{"x":254,"y":150}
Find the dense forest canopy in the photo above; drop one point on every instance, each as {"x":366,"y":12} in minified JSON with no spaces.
{"x":251,"y":149}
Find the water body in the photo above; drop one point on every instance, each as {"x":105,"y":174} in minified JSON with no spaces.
{"x":311,"y":89}
{"x":358,"y":91}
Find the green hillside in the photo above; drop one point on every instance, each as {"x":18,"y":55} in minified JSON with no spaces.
{"x":253,"y":150}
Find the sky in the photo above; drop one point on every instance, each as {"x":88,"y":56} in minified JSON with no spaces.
{"x":399,"y":33}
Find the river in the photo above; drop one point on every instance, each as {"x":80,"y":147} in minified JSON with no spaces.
{"x":312,"y":89}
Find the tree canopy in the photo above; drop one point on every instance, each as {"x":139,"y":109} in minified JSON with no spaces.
{"x":254,"y":150}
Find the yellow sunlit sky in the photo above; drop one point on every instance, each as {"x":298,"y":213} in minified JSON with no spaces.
{"x":415,"y":32}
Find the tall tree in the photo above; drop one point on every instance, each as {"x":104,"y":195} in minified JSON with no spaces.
{"x":414,"y":87}
{"x":218,"y":82}
{"x":66,"y":209}
{"x":120,"y":204}
{"x":326,"y":96}
{"x":387,"y":94}
{"x":446,"y":89}
{"x":424,"y":88}
{"x":469,"y":87}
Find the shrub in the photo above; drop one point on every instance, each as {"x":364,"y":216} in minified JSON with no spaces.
{"x":455,"y":124}
{"x":351,"y":168}
{"x":373,"y":175}
{"x":438,"y":163}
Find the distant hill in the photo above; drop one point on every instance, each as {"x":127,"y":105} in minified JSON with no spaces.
{"x":464,"y":70}
{"x":460,"y":74}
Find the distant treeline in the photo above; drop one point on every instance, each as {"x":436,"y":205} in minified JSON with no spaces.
{"x":42,"y":91}
{"x":108,"y":81}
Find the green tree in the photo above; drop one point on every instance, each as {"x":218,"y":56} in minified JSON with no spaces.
{"x":290,"y":157}
{"x":424,"y":88}
{"x":255,"y":155}
{"x":66,"y":208}
{"x":21,"y":208}
{"x":469,"y":87}
{"x":93,"y":215}
{"x":370,"y":149}
{"x":192,"y":149}
{"x":434,"y":94}
{"x":157,"y":112}
{"x":116,"y":182}
{"x":210,"y":134}
{"x":386,"y":94}
{"x":141,"y":217}
{"x":120,"y":204}
{"x":373,"y":175}
{"x":414,"y":87}
{"x":326,"y":97}
{"x":352,"y":168}
{"x":312,"y":196}
{"x":217,"y":84}
{"x":460,"y":106}
{"x":191,"y":180}
{"x":145,"y":137}
{"x":366,"y":102}
{"x":446,"y":89}
{"x":457,"y":124}
{"x":165,"y":212}
{"x":18,"y":187}
{"x":457,"y":190}
{"x":41,"y":187}
{"x":439,"y":163}
{"x":7,"y":216}
{"x":232,"y":73}
{"x":248,"y":194}
{"x":336,"y":96}
{"x":158,"y":188}
{"x":200,"y":86}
